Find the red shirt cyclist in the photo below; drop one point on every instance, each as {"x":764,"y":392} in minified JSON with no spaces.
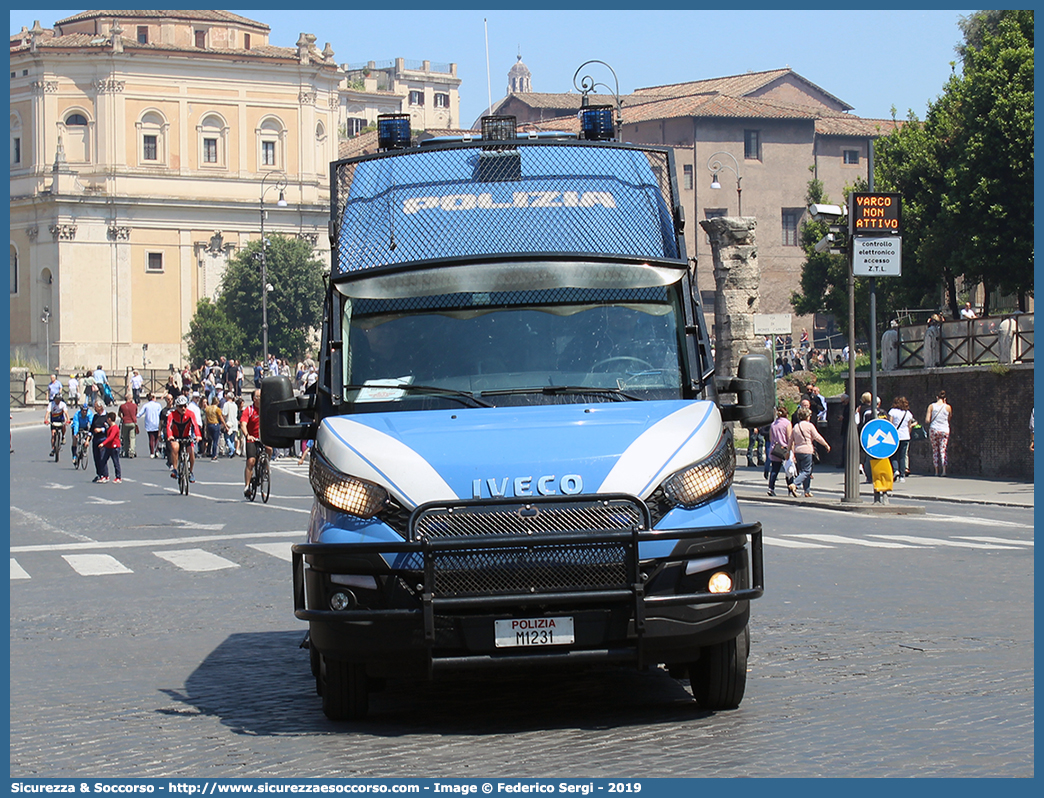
{"x":182,"y":426}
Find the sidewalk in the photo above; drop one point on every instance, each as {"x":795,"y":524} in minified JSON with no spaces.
{"x":828,"y":488}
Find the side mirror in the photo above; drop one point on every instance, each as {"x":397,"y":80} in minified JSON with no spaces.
{"x":755,"y":389}
{"x":280,"y":424}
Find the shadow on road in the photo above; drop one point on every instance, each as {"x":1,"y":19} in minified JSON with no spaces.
{"x":260,"y":684}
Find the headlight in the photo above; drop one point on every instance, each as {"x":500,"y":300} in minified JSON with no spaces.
{"x":704,"y":480}
{"x":342,"y":492}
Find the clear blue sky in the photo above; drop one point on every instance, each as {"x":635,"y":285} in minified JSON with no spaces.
{"x":872,"y":60}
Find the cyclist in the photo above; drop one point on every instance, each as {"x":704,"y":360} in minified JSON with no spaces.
{"x":250,"y":428}
{"x":81,"y":422}
{"x":57,"y":416}
{"x":182,"y":428}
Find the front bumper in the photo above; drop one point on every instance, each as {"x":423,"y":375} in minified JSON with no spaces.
{"x":430,"y":604}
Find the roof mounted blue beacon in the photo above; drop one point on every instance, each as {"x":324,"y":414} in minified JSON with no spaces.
{"x":393,"y":131}
{"x":596,"y":123}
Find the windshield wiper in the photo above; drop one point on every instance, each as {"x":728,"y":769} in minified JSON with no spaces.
{"x":463,"y":396}
{"x":552,"y":390}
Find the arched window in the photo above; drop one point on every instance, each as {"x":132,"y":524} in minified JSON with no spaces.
{"x":213,"y":142}
{"x":152,"y":139}
{"x":271,"y":143}
{"x":77,"y":137}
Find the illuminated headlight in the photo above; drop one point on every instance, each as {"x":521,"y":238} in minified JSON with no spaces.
{"x":704,"y":480}
{"x":342,"y":492}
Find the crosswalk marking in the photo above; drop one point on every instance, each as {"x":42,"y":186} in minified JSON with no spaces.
{"x":280,"y":550}
{"x":962,"y":544}
{"x":793,"y":544}
{"x":96,"y":564}
{"x":877,"y":544}
{"x":17,"y":571}
{"x":1002,"y":541}
{"x":195,"y":560}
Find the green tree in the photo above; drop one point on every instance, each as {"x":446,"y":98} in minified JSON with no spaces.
{"x":211,"y":334}
{"x":294,"y":303}
{"x":966,"y":173}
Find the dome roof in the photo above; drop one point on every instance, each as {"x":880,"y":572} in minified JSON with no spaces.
{"x":519,"y":69}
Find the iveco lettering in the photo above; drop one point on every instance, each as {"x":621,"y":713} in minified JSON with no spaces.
{"x":520,"y":458}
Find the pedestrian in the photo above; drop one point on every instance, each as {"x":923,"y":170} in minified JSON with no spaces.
{"x":74,"y":390}
{"x":137,"y":382}
{"x":150,"y":411}
{"x":165,"y":411}
{"x":99,"y":430}
{"x":803,"y":439}
{"x":779,"y":449}
{"x":967,"y":312}
{"x":755,"y":447}
{"x":194,"y":408}
{"x":129,"y":427}
{"x":937,"y":419}
{"x":902,"y":419}
{"x":230,"y":415}
{"x":111,"y":451}
{"x":215,"y":422}
{"x":54,"y":387}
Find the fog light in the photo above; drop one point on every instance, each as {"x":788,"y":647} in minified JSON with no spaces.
{"x":720,"y":582}
{"x":342,"y":601}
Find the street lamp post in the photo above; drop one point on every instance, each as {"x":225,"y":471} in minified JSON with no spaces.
{"x":280,"y":184}
{"x":714,"y":165}
{"x":45,"y":317}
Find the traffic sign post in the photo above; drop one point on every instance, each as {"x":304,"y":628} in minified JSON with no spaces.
{"x":880,"y":439}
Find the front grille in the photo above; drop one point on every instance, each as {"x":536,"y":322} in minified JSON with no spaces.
{"x":528,"y":519}
{"x":540,"y":564}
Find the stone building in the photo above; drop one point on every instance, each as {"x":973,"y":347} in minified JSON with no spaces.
{"x":428,"y":92}
{"x":142,"y":145}
{"x":771,"y":132}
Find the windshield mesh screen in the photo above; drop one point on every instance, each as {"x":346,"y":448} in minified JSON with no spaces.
{"x":466,"y":201}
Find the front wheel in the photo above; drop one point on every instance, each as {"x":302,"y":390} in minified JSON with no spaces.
{"x":266,"y":483}
{"x":345,"y":694}
{"x":719,"y":677}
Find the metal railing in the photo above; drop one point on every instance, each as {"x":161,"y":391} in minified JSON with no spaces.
{"x":969,"y":342}
{"x":155,"y":380}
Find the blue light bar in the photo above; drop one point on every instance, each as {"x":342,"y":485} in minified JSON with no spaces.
{"x":596,"y":123}
{"x":393,"y":131}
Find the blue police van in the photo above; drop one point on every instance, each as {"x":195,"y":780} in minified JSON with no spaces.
{"x":520,"y":454}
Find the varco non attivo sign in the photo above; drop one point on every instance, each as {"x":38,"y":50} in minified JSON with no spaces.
{"x":874,"y":213}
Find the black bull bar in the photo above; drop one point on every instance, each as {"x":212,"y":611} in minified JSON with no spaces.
{"x":345,"y":558}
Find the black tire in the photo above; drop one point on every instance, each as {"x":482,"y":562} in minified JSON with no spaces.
{"x":345,"y":694}
{"x":183,"y":483}
{"x":719,"y":677}
{"x":313,"y":661}
{"x":266,"y":483}
{"x":252,"y":492}
{"x":57,"y":447}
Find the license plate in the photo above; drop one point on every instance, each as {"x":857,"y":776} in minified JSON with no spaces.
{"x":528,"y":632}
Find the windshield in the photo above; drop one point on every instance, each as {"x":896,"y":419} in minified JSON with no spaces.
{"x":511,"y":348}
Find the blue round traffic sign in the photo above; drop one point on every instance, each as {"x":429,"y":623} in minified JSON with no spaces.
{"x":879,"y":438}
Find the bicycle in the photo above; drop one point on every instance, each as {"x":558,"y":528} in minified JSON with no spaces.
{"x":57,"y":438}
{"x":184,"y":448}
{"x":83,"y":448}
{"x":261,"y":478}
